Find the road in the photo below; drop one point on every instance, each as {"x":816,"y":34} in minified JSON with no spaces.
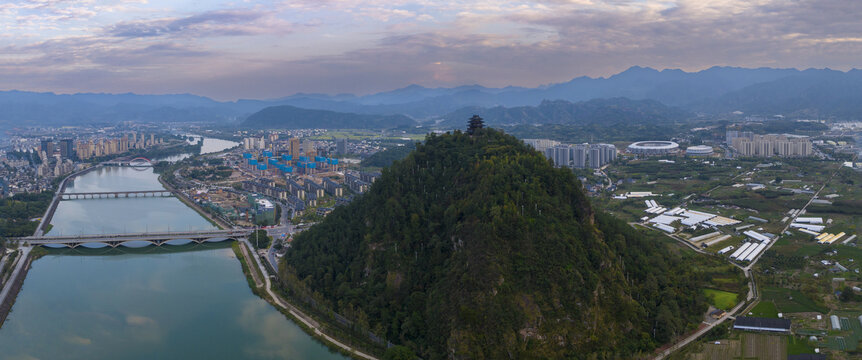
{"x":22,"y":259}
{"x":278,"y":301}
{"x":753,"y":296}
{"x":698,"y":334}
{"x":790,"y":221}
{"x":298,"y":314}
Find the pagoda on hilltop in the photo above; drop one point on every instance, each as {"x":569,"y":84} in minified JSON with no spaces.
{"x":474,"y":123}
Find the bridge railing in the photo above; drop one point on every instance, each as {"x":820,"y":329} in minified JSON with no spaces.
{"x":232,"y":232}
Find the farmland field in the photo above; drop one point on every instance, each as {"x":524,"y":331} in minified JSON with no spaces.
{"x":790,"y":301}
{"x":764,"y":347}
{"x":720,"y":299}
{"x":765,"y":309}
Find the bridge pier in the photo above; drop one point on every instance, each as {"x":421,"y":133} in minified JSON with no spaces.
{"x":115,"y":240}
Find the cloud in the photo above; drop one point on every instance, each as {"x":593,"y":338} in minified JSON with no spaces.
{"x":274,"y":336}
{"x":270,"y":49}
{"x":208,"y":24}
{"x":136,"y":320}
{"x":77,"y":340}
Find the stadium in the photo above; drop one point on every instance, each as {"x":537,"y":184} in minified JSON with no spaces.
{"x":699,"y":150}
{"x":653,"y":147}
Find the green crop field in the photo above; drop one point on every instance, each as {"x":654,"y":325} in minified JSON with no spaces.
{"x":765,"y":309}
{"x":790,"y":301}
{"x":796,"y":346}
{"x":720,"y":299}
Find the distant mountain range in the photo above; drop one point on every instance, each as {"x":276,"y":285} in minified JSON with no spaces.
{"x":813,"y":93}
{"x":596,"y":111}
{"x":291,"y":117}
{"x":820,"y":93}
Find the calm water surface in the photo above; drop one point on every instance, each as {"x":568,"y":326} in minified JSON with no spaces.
{"x":173,"y":302}
{"x":212,"y":145}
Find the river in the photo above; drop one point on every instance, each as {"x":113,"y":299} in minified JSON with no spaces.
{"x":210,"y":145}
{"x":188,"y":301}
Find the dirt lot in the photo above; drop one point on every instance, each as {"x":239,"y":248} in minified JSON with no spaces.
{"x":764,"y":347}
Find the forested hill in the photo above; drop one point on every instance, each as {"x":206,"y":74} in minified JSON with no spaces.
{"x":289,"y":117}
{"x":476,"y":247}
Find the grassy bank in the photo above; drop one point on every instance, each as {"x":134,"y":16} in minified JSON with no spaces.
{"x":247,"y":269}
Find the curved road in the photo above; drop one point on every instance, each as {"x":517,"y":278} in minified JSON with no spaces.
{"x":298,"y":314}
{"x":752,"y":286}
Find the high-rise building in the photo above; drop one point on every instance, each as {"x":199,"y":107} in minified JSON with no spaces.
{"x":579,"y":156}
{"x":309,"y":148}
{"x":733,"y":134}
{"x":561,"y":155}
{"x":341,"y":146}
{"x":47,"y":146}
{"x":602,"y":154}
{"x":595,"y":157}
{"x":66,"y":148}
{"x":541,"y":145}
{"x":294,"y":148}
{"x":772,"y":145}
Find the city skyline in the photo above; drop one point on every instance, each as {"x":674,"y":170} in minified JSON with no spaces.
{"x":269,"y":49}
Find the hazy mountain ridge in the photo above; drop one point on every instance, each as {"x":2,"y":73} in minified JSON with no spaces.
{"x":290,"y":117}
{"x":715,"y":90}
{"x":602,"y":111}
{"x":822,"y":93}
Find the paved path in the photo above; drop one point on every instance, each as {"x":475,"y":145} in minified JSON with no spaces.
{"x":298,"y":314}
{"x":251,"y":267}
{"x":21,"y":260}
{"x":752,"y":297}
{"x":698,"y":334}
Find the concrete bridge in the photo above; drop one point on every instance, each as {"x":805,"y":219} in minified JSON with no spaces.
{"x":155,"y":238}
{"x":115,"y":194}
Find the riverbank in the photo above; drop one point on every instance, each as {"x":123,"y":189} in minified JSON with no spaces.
{"x":307,"y":323}
{"x":260,"y":284}
{"x":13,"y":285}
{"x":49,"y":213}
{"x":251,"y":274}
{"x":191,"y":204}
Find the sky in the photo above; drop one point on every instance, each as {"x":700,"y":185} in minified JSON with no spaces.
{"x":268,"y":49}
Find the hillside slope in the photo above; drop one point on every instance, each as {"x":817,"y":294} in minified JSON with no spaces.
{"x":476,"y":247}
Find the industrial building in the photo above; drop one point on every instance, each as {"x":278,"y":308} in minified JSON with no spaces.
{"x":653,"y":147}
{"x":761,"y":324}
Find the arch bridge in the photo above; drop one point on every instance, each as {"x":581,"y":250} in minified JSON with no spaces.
{"x":155,"y":238}
{"x":136,"y":162}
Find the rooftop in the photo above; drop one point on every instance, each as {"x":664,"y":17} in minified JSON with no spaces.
{"x":758,"y":322}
